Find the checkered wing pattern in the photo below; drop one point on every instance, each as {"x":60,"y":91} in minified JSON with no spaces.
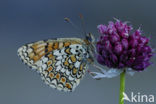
{"x":61,"y":62}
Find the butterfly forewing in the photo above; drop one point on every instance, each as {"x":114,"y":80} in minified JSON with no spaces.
{"x":61,"y":62}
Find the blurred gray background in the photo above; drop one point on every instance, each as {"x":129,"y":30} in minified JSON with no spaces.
{"x":24,"y":21}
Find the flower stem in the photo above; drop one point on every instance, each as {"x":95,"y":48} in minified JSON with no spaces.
{"x":122,"y":87}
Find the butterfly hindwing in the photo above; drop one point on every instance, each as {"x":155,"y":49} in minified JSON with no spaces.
{"x":61,"y":62}
{"x":64,"y":69}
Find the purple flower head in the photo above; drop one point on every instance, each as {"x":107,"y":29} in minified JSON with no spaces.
{"x":119,"y":47}
{"x":102,"y":29}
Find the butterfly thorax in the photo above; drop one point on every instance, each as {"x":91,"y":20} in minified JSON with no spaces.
{"x":89,"y":41}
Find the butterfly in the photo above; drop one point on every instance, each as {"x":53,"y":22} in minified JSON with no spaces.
{"x":61,"y":62}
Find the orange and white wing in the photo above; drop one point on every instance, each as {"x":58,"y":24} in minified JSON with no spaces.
{"x":61,"y":63}
{"x":31,"y":53}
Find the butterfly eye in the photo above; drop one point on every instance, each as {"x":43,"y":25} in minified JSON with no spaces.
{"x":90,"y":37}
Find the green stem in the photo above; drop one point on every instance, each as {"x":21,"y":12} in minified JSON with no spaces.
{"x":122,"y":87}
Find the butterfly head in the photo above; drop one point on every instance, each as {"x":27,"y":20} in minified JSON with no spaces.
{"x":90,"y":38}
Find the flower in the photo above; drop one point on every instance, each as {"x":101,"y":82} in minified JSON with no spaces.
{"x":119,"y":47}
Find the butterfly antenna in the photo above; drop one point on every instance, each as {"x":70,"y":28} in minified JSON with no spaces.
{"x":73,"y":25}
{"x":83,"y":24}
